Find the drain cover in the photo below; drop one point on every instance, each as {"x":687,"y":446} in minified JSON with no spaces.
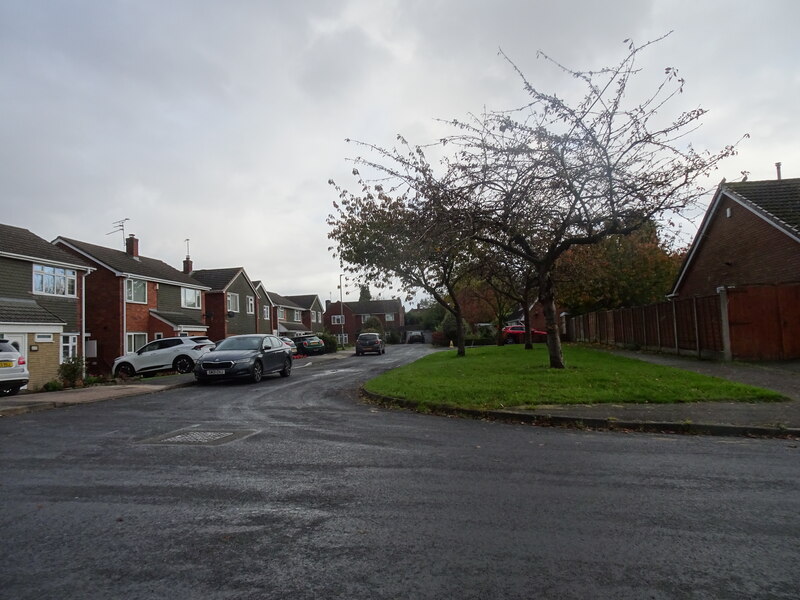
{"x":194,"y":437}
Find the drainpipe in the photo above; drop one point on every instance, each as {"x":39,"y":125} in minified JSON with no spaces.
{"x":124,"y":317}
{"x":83,"y":322}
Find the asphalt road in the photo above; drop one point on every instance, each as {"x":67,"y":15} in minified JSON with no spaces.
{"x":292,"y":488}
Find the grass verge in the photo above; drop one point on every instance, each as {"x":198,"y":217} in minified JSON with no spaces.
{"x":491,"y":377}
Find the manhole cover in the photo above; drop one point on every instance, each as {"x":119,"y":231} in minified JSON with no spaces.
{"x":194,"y":437}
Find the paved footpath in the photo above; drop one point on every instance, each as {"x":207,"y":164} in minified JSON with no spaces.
{"x":721,"y":418}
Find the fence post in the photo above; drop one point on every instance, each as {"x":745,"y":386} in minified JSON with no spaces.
{"x":725,"y":325}
{"x":675,"y":327}
{"x":696,"y":326}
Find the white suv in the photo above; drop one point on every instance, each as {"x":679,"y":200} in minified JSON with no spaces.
{"x":13,"y":370}
{"x":167,"y":354}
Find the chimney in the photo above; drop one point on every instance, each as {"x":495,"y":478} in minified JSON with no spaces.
{"x":187,"y":265}
{"x":778,"y":167}
{"x":132,"y":246}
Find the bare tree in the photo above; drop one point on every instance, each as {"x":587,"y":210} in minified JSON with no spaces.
{"x":551,"y":175}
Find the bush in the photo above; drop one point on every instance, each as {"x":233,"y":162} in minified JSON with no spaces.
{"x":440,"y":339}
{"x":94,"y":380}
{"x":71,"y":370}
{"x":393,"y":337}
{"x":331,"y":345}
{"x":53,"y":386}
{"x":372,"y":325}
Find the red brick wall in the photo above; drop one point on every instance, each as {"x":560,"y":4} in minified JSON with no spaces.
{"x":738,"y":250}
{"x":217,"y":306}
{"x":104,"y":317}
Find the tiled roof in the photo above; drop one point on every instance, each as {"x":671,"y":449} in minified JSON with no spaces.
{"x":16,"y":240}
{"x":279,"y":300}
{"x":306,"y":301}
{"x":778,"y":199}
{"x":122,"y":262}
{"x":369,"y":307}
{"x":22,"y":310}
{"x":178,"y":318}
{"x":217,"y":279}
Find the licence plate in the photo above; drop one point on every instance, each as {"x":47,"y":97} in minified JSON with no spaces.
{"x":215,"y":372}
{"x":6,"y":364}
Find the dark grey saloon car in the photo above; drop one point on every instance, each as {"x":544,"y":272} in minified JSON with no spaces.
{"x":245,"y":357}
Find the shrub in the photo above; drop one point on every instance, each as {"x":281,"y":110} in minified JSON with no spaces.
{"x":71,"y":370}
{"x":53,"y":386}
{"x":440,"y":339}
{"x":393,"y":337}
{"x":331,"y":345}
{"x":374,"y":325}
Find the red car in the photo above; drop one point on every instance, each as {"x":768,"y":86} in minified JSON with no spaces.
{"x":515,"y":334}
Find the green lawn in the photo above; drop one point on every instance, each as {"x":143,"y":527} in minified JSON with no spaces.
{"x":510,"y":376}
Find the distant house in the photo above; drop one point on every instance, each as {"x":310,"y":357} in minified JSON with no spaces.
{"x":42,"y":296}
{"x":749,"y":235}
{"x":133,"y":299}
{"x":346,"y":320}
{"x":312,"y":311}
{"x":231,"y":302}
{"x":266,"y":322}
{"x":288,"y":316}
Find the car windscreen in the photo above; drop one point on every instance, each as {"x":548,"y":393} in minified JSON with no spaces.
{"x":7,"y":347}
{"x":246,"y":343}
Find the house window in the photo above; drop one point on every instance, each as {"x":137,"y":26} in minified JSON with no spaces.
{"x":190,"y":298}
{"x":341,"y":338}
{"x":389,"y":317}
{"x":251,"y":305}
{"x":297,"y":316}
{"x":43,"y":337}
{"x":313,"y":316}
{"x":281,"y":313}
{"x":136,"y":291}
{"x":134,"y":341}
{"x":69,"y":346}
{"x":337,"y":319}
{"x":265,"y":310}
{"x":54,"y":281}
{"x":233,"y":302}
{"x":159,"y":335}
{"x":364,"y":318}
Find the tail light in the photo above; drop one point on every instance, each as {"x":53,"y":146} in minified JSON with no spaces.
{"x":20,"y":361}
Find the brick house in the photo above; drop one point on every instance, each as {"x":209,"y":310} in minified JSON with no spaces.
{"x":231,"y":302}
{"x":288,"y":316}
{"x":750,"y":235}
{"x":312,"y":311}
{"x":133,"y":299}
{"x":346,"y":320}
{"x":42,"y":294}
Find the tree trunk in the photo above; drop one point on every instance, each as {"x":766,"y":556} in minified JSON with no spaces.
{"x":526,"y":321}
{"x":547,"y":298}
{"x":460,"y":342}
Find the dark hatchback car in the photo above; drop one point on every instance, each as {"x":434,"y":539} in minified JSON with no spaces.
{"x":309,"y":344}
{"x":370,"y":342}
{"x":245,"y":356}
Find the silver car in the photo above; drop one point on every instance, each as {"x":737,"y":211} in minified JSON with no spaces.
{"x":13,"y":370}
{"x":167,"y":354}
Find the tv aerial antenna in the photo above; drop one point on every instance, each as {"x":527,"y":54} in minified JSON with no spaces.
{"x":119,"y":226}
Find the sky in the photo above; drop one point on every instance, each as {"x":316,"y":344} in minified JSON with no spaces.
{"x":221,"y":122}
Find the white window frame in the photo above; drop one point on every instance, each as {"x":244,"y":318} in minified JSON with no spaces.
{"x":251,"y":305}
{"x":341,"y":339}
{"x":195,"y":302}
{"x":233,"y":302}
{"x":55,"y":281}
{"x":41,"y":338}
{"x":129,"y":290}
{"x":281,"y":312}
{"x":313,"y":316}
{"x":297,"y":316}
{"x":364,"y":318}
{"x":389,"y":317}
{"x":130,"y":341}
{"x":265,"y":312}
{"x":69,"y":346}
{"x":337,"y":319}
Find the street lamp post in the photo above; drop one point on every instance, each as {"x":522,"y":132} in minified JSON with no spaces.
{"x":341,"y":312}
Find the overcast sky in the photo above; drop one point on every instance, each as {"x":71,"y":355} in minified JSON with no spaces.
{"x":222,"y":121}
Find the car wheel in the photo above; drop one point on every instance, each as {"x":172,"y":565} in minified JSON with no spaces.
{"x":258,"y":372}
{"x":510,"y":339}
{"x":383,"y":351}
{"x":183,"y":364}
{"x":125,"y":370}
{"x":287,"y":368}
{"x":8,"y":390}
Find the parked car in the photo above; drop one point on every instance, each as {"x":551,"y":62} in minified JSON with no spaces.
{"x":415,"y":337}
{"x":13,"y":370}
{"x":309,"y":344}
{"x":515,"y":334}
{"x":167,"y":354}
{"x":245,"y":356}
{"x":289,"y":343}
{"x":370,"y":342}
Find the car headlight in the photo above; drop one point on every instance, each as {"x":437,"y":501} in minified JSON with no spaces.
{"x":244,"y":361}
